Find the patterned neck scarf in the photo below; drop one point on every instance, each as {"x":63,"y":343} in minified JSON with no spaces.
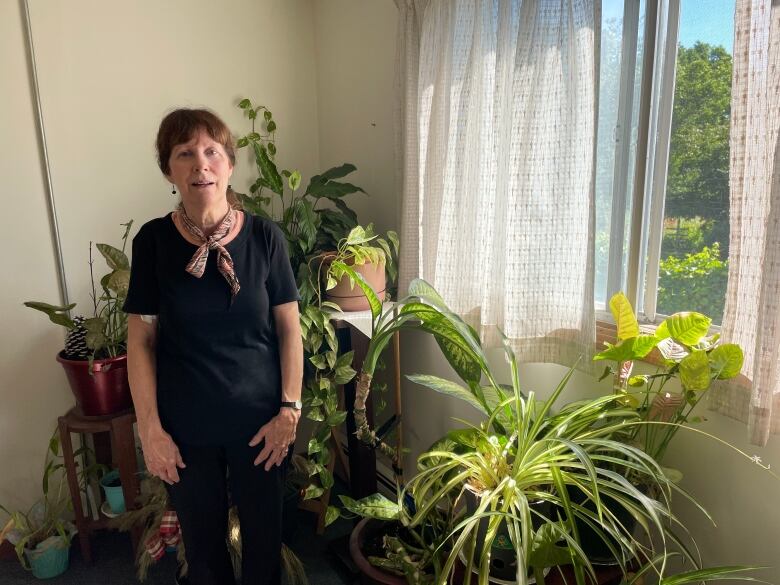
{"x":197,"y":265}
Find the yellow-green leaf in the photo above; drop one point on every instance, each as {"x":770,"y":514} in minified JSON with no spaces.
{"x":331,"y":515}
{"x":726,"y":360}
{"x":695,"y":371}
{"x":686,"y":328}
{"x":625,"y":320}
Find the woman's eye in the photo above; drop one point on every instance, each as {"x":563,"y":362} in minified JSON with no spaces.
{"x":184,"y":153}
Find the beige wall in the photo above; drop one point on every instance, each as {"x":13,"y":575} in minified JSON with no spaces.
{"x":355,"y":46}
{"x":32,"y":392}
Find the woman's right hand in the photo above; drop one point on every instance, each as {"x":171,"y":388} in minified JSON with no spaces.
{"x":161,"y":454}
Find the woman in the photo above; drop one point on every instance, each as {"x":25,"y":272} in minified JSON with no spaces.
{"x":215,"y":358}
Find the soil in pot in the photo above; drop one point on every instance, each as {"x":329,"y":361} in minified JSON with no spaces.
{"x":366,"y":541}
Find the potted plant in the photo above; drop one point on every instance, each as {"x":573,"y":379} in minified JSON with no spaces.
{"x":42,"y":535}
{"x":112,"y":487}
{"x":523,"y":453}
{"x":689,"y":355}
{"x":95,"y":353}
{"x":370,"y":256}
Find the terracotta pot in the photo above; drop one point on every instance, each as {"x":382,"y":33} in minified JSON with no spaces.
{"x":369,"y":574}
{"x":103,"y":392}
{"x":353,"y":299}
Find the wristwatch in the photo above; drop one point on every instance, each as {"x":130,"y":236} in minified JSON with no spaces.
{"x":296,"y":404}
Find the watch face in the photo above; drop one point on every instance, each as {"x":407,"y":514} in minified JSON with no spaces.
{"x":293,"y":404}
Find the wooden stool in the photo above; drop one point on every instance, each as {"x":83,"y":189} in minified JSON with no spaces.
{"x":119,"y":427}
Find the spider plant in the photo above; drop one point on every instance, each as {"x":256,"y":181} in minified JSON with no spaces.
{"x":542,"y":457}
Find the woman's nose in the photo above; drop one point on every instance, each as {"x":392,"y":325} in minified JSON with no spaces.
{"x":201,"y":162}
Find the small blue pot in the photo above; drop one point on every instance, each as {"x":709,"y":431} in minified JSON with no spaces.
{"x":50,"y":561}
{"x":114,"y":495}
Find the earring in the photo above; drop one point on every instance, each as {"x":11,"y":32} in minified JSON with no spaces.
{"x":173,"y":190}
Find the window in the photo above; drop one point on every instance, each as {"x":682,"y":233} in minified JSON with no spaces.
{"x":665,"y":92}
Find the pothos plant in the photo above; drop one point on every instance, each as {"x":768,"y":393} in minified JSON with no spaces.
{"x":105,"y":332}
{"x":359,"y":247}
{"x":688,"y":354}
{"x":315,"y":221}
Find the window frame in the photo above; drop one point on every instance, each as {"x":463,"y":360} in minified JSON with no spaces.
{"x":661,"y":34}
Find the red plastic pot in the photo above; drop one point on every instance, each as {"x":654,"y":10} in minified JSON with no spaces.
{"x":105,"y":391}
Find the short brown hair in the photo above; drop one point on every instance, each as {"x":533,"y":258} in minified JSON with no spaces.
{"x":182,"y":125}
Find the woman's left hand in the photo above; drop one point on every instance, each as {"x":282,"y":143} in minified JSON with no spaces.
{"x":278,"y":434}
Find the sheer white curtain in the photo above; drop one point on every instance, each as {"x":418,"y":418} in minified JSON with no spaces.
{"x":752,"y":315}
{"x":497,"y":136}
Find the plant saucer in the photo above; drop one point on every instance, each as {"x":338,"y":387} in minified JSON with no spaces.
{"x":105,"y":509}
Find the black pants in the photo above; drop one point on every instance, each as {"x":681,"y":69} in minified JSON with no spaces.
{"x":200,"y":499}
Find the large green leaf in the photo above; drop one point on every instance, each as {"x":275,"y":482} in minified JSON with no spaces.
{"x":95,"y":340}
{"x":628,"y":349}
{"x":116,"y":259}
{"x":420,"y":288}
{"x":449,"y":388}
{"x":268,"y":168}
{"x":331,"y":189}
{"x":317,"y":181}
{"x":344,"y":208}
{"x":452,"y":337}
{"x":308,"y":221}
{"x":375,"y":506}
{"x":625,"y":320}
{"x":57,"y":314}
{"x":373,"y":300}
{"x":695,"y":371}
{"x":254,"y":205}
{"x":456,"y":339}
{"x":686,"y":328}
{"x":726,"y":360}
{"x":119,"y":281}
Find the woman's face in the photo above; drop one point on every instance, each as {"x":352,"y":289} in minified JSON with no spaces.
{"x":200,"y":169}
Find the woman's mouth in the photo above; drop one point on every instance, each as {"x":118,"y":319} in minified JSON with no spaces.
{"x":202,"y":184}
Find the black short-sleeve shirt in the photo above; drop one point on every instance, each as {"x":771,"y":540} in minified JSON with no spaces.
{"x":218,"y":368}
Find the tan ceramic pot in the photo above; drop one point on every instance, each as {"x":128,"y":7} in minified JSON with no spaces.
{"x":353,"y":299}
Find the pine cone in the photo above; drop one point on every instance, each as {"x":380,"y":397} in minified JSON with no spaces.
{"x":76,"y":341}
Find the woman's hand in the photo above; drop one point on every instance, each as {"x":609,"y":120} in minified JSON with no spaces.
{"x":161,"y":454}
{"x":278,"y":434}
